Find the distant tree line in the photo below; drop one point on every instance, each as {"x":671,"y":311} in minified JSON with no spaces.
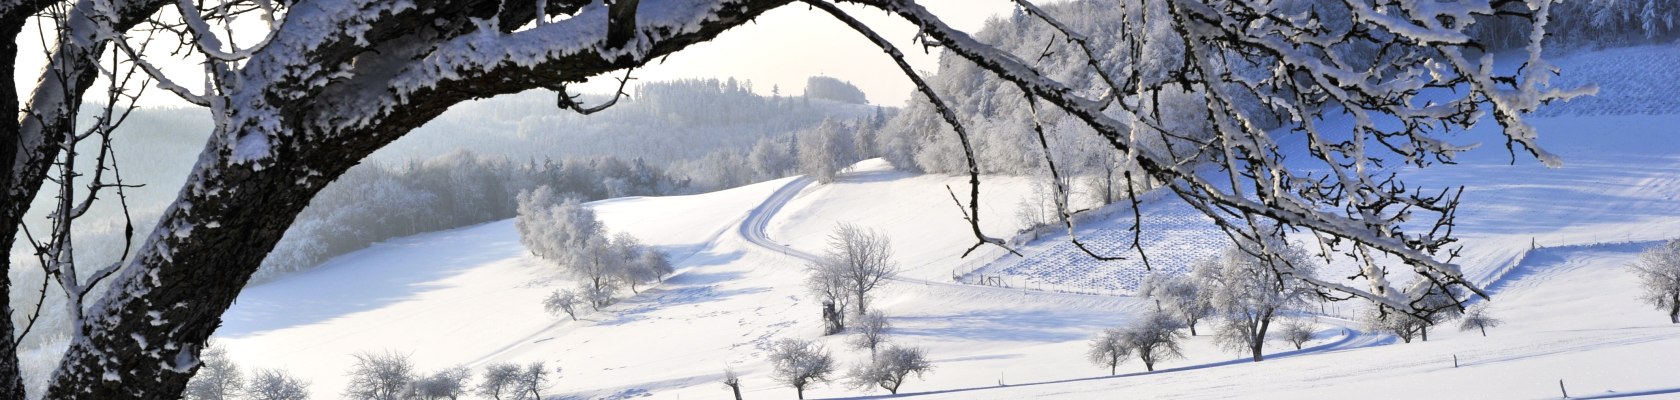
{"x":368,"y":205}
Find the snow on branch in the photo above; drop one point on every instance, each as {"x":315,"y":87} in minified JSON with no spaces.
{"x":1404,"y":71}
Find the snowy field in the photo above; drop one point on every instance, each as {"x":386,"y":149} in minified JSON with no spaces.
{"x":1550,"y":244}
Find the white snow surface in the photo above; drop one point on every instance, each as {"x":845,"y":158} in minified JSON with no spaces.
{"x":1549,"y":244}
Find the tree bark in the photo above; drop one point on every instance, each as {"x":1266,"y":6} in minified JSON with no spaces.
{"x":145,"y":333}
{"x":1260,"y":336}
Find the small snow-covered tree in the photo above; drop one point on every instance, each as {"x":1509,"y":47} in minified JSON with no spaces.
{"x":562,"y":301}
{"x":380,"y":376}
{"x":277,"y":384}
{"x":871,"y":331}
{"x":1296,"y":331}
{"x":1179,"y":295}
{"x":863,"y":259}
{"x":1251,"y":287}
{"x":598,"y":294}
{"x":1445,"y":303}
{"x":1109,"y":349}
{"x":827,"y":281}
{"x":530,"y":380}
{"x":637,"y":263}
{"x":1479,"y":318}
{"x":500,"y":379}
{"x":1658,"y":269}
{"x":450,"y":383}
{"x":889,"y":368}
{"x":799,"y":363}
{"x":1154,"y":338}
{"x":218,"y":378}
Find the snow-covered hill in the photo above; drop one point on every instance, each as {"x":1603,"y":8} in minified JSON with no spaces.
{"x":1550,"y":243}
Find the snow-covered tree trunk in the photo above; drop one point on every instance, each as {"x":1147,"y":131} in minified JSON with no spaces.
{"x":36,"y":129}
{"x":340,"y":79}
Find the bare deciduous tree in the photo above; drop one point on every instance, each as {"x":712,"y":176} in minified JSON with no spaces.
{"x":499,"y":379}
{"x":1296,"y":331}
{"x":1154,"y":338}
{"x":562,"y":301}
{"x":533,"y":379}
{"x":871,"y":331}
{"x":1479,"y":318}
{"x":450,"y":383}
{"x":1658,"y":270}
{"x":889,"y":369}
{"x":1109,"y":349}
{"x":1251,"y":290}
{"x":799,"y":363}
{"x":277,"y":384}
{"x":861,"y":259}
{"x":1180,"y":295}
{"x":218,"y":377}
{"x":733,"y":381}
{"x":380,"y":376}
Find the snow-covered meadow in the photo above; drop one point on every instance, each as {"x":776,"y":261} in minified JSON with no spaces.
{"x":1551,"y":246}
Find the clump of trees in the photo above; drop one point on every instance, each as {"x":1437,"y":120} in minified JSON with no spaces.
{"x":857,"y":261}
{"x":450,"y":383}
{"x":800,"y":363}
{"x":378,"y":202}
{"x":1658,"y":270}
{"x":829,"y":88}
{"x":1155,"y":337}
{"x":563,"y":231}
{"x":219,"y":378}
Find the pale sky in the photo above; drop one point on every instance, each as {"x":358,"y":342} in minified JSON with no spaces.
{"x":782,"y":48}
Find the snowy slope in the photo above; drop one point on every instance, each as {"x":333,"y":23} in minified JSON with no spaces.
{"x":446,"y":298}
{"x":1549,"y":243}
